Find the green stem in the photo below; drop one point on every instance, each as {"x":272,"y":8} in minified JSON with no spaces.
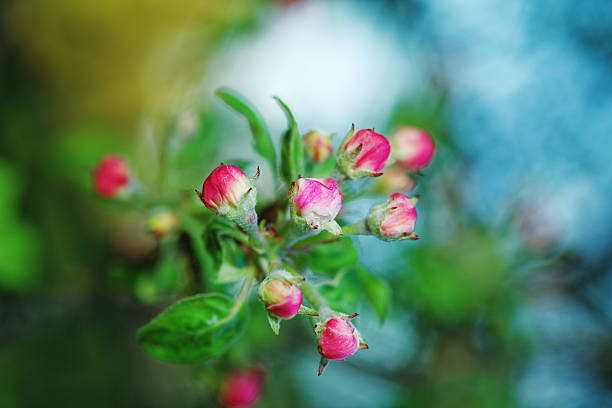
{"x":255,"y":235}
{"x":242,"y":296}
{"x":264,"y":265}
{"x":359,"y":228}
{"x":249,"y":224}
{"x":296,"y":235}
{"x":338,"y":175}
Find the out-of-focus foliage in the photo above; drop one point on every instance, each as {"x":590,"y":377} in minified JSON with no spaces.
{"x":114,"y":60}
{"x":19,"y":239}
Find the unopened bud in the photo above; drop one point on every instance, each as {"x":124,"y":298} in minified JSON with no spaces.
{"x":225,"y":189}
{"x":315,"y":202}
{"x":162,"y":222}
{"x":318,"y":146}
{"x":241,"y":389}
{"x":338,"y":338}
{"x":412,"y":147}
{"x":363,"y":154}
{"x":394,"y":219}
{"x":111,"y":176}
{"x":395,"y":180}
{"x":281,"y":296}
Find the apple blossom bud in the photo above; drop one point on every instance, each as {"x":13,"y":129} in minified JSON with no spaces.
{"x":394,"y":219}
{"x":281,"y":296}
{"x":230,"y":193}
{"x":111,"y":176}
{"x":412,"y":147}
{"x":337,"y":337}
{"x":395,"y":180}
{"x":318,"y":146}
{"x":225,"y":188}
{"x":162,"y":222}
{"x":241,"y":389}
{"x":315,"y":202}
{"x":362,"y":154}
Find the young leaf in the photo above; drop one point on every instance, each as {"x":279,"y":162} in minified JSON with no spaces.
{"x":377,"y":292}
{"x":292,"y":151}
{"x":193,"y":329}
{"x":262,"y":142}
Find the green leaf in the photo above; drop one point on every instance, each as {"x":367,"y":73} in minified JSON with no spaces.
{"x":292,"y":151}
{"x":262,"y":142}
{"x":20,"y":248}
{"x":325,"y":258}
{"x":234,"y":263}
{"x":343,"y":292}
{"x":225,"y":261}
{"x":193,"y":329}
{"x":377,"y":292}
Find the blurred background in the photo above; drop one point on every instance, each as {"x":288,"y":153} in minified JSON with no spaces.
{"x":504,"y":302}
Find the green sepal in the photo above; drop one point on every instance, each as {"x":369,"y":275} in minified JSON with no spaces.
{"x":305,"y":310}
{"x":274,"y":322}
{"x":332,"y":227}
{"x":322,"y":364}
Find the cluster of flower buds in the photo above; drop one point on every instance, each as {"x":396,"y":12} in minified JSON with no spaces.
{"x":111,"y":176}
{"x":242,"y":389}
{"x":412,"y":149}
{"x":310,"y":205}
{"x":314,"y":204}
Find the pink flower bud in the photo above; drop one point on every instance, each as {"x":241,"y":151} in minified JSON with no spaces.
{"x":281,"y":297}
{"x":162,"y":222}
{"x":224,"y":189}
{"x":395,"y":180}
{"x":315,"y":202}
{"x":413,"y":148}
{"x":111,"y":176}
{"x":241,"y":389}
{"x":338,"y":338}
{"x":363,"y":154}
{"x":318,"y":146}
{"x":394,"y":219}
